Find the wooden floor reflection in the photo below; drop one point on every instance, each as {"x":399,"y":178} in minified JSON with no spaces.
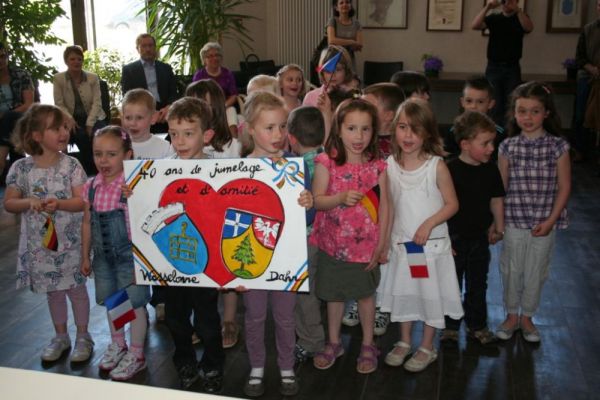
{"x":566,"y":365}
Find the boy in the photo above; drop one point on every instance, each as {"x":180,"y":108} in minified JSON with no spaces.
{"x":306,"y":128}
{"x":138,"y":114}
{"x":138,"y":111}
{"x":478,"y":95}
{"x":478,"y":222}
{"x":386,"y":97}
{"x":188,"y":120}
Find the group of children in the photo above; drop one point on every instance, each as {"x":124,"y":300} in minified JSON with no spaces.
{"x":378,"y":151}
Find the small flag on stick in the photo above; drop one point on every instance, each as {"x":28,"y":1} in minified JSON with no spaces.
{"x":416,"y":260}
{"x":120,"y":309}
{"x":331,"y":64}
{"x":370,"y":202}
{"x":50,"y":239}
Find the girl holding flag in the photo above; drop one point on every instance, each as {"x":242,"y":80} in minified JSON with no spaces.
{"x":419,"y":283}
{"x":46,"y":189}
{"x":106,"y":231}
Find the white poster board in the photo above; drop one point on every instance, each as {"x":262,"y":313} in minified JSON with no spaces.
{"x":218,"y":223}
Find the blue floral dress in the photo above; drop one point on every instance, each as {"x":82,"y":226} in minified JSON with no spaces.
{"x":38,"y":267}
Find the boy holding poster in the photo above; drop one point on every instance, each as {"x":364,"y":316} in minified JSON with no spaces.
{"x":188,"y":120}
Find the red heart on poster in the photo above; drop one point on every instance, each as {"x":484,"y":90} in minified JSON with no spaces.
{"x":207,"y":209}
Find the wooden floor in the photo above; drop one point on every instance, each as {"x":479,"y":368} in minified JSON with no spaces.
{"x":566,"y":365}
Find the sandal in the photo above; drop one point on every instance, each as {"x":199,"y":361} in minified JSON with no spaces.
{"x":367,"y":359}
{"x":398,"y":354}
{"x":326,"y":358}
{"x":230,"y":331}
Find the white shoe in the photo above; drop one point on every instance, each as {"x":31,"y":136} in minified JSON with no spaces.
{"x":351,"y":315}
{"x":84,"y":346}
{"x":56,"y":348}
{"x":414,"y":365}
{"x":127,"y":368}
{"x":394,"y":358}
{"x":112,"y":357}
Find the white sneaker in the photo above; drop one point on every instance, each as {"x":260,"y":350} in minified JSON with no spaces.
{"x":127,"y":368}
{"x":56,"y":348}
{"x":382,"y":321}
{"x":84,"y":346}
{"x":112,"y":357}
{"x":351,"y":315}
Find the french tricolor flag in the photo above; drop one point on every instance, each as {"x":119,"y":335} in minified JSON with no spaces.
{"x":120,"y":309}
{"x":416,"y":260}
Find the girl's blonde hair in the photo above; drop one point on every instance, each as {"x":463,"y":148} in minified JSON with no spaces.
{"x":263,"y":83}
{"x":422,"y":122}
{"x":38,"y":118}
{"x":287,"y":68}
{"x":335,"y":147}
{"x":255,"y":104}
{"x":345,"y":60}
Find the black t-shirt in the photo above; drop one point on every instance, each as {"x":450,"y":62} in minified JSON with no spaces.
{"x":475,"y":187}
{"x":506,"y":38}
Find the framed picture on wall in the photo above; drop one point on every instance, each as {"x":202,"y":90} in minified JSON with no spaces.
{"x":383,"y":14}
{"x":520,"y":3}
{"x":565,"y":16}
{"x":444,"y":15}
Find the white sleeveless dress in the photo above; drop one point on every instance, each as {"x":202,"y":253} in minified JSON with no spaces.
{"x":415,"y":197}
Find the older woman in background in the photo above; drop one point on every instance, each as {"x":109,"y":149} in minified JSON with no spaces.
{"x":16,"y":96}
{"x":78,"y":92}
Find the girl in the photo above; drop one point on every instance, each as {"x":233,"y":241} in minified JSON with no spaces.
{"x":423,"y":197}
{"x":291,"y":82}
{"x":413,"y":84}
{"x":266,"y":120}
{"x":46,"y":188}
{"x":343,"y":30}
{"x":222,"y":145}
{"x":106,"y":231}
{"x":535,"y":167}
{"x":349,"y":237}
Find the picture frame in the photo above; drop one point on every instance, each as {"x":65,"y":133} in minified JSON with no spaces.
{"x":383,"y":14}
{"x":522,"y":5}
{"x":565,"y":16}
{"x":444,"y":15}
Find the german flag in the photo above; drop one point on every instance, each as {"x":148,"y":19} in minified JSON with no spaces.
{"x":370,"y":202}
{"x":50,"y":239}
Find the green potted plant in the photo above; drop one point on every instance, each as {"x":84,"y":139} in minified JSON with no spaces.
{"x":432,"y":65}
{"x":571,"y":66}
{"x":182,"y":27}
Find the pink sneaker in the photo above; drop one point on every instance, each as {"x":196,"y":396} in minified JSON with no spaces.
{"x":112,"y":357}
{"x":127,"y":368}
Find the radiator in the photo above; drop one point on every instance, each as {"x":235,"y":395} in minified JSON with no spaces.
{"x":300,"y":25}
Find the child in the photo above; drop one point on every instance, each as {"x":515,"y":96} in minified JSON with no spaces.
{"x":342,"y":76}
{"x":307,"y":130}
{"x":189,"y":120}
{"x":413,"y":84}
{"x":351,"y":238}
{"x":105,"y":229}
{"x":478,"y":95}
{"x":386,"y":97}
{"x":263,"y":82}
{"x":222,"y":145}
{"x":46,"y":189}
{"x":291,"y":82}
{"x":535,"y":167}
{"x":478,"y":222}
{"x":266,"y":120}
{"x":421,"y":190}
{"x":138,"y":112}
{"x":343,"y":30}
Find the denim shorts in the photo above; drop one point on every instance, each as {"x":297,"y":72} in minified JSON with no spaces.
{"x":115,"y":271}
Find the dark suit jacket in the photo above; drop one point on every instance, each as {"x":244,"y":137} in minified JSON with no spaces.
{"x":133,"y":77}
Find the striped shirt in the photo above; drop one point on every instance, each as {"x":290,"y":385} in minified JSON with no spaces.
{"x":107,"y":196}
{"x":532,"y":180}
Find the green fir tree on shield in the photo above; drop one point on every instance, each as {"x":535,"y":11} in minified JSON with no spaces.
{"x":244,"y":254}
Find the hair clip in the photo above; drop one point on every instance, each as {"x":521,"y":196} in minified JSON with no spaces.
{"x":546,"y":89}
{"x":123,"y":135}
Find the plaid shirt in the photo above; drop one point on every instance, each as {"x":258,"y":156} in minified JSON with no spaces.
{"x":107,"y":196}
{"x":532,"y":180}
{"x":20,"y":80}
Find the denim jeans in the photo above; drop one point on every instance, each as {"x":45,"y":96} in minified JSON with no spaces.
{"x":472,"y":261}
{"x":504,"y":77}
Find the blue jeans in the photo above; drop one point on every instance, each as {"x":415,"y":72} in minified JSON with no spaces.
{"x":472,"y":261}
{"x":504,"y":77}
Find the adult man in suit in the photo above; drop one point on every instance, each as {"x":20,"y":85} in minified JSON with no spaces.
{"x":153,"y":75}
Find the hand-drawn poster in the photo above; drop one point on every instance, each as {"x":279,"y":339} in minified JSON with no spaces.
{"x":218,"y":223}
